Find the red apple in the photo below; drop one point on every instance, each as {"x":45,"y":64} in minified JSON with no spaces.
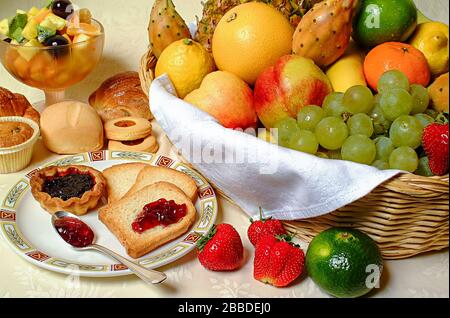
{"x":283,"y":89}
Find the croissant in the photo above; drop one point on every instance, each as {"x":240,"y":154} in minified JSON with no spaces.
{"x":121,"y":96}
{"x":16,"y":105}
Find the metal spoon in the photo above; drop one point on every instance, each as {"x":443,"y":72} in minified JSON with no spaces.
{"x":148,"y":275}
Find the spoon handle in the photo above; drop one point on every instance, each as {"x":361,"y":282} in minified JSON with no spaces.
{"x":148,"y":275}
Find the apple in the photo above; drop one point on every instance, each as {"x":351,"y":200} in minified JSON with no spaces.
{"x":227,"y":98}
{"x":283,"y":89}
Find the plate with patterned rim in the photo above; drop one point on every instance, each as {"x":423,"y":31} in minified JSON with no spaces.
{"x":27,"y":228}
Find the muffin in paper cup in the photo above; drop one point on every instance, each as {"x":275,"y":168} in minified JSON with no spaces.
{"x":18,"y":157}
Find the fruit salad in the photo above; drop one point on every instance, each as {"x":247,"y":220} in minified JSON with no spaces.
{"x":52,"y":47}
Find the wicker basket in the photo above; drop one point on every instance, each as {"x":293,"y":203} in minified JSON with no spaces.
{"x":406,"y":215}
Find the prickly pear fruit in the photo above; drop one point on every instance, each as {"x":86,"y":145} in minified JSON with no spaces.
{"x":324,"y":32}
{"x":166,"y":26}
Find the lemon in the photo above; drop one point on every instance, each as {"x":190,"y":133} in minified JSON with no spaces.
{"x":338,"y":74}
{"x":431,"y":38}
{"x":187,"y":63}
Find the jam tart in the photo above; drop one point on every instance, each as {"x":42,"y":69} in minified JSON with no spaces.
{"x":75,"y":188}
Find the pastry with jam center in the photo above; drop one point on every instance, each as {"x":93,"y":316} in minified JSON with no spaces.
{"x":14,"y":133}
{"x":76,"y":189}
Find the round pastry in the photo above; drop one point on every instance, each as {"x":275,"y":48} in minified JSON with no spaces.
{"x":127,"y":128}
{"x":148,"y":144}
{"x":71,"y":127}
{"x":74,"y":188}
{"x":13,"y":133}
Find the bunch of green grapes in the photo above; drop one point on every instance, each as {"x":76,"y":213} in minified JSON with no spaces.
{"x":384,"y":130}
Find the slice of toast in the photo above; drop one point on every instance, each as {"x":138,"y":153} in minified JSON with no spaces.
{"x":120,"y":178}
{"x":119,"y":216}
{"x":152,"y":174}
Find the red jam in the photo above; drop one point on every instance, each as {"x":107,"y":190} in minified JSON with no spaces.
{"x":74,"y":231}
{"x":161,"y":212}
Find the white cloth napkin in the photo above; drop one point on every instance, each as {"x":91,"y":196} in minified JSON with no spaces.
{"x":287,"y":184}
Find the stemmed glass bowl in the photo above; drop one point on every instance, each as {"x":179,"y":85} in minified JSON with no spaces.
{"x":53,"y":69}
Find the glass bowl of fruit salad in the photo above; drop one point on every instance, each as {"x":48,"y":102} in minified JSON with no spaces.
{"x":51,"y":48}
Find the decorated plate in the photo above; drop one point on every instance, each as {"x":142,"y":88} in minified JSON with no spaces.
{"x":28,"y":230}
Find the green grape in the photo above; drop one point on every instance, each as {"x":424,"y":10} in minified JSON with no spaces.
{"x":392,"y":79}
{"x":360,"y":124}
{"x":384,"y":147}
{"x":406,"y":131}
{"x":396,"y":102}
{"x":305,"y":141}
{"x":309,"y":116}
{"x":286,"y":128}
{"x":322,"y":155}
{"x":333,"y":106}
{"x":358,"y":99}
{"x":421,"y":99}
{"x":424,"y":168}
{"x":380,"y":164}
{"x":331,"y":133}
{"x":360,"y":149}
{"x":380,"y":124}
{"x":335,"y":154}
{"x":424,"y":119}
{"x":404,"y":158}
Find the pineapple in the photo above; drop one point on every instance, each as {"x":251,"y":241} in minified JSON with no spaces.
{"x":214,"y":10}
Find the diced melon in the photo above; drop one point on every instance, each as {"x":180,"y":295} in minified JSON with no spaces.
{"x":33,"y":12}
{"x":4,"y":27}
{"x":30,"y":31}
{"x":81,"y":38}
{"x":42,"y":14}
{"x":67,"y":38}
{"x":53,"y":22}
{"x":28,"y":51}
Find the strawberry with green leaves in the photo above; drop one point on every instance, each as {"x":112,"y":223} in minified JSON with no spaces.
{"x":263,"y":227}
{"x":278,"y":262}
{"x":435,"y":144}
{"x":221,"y":249}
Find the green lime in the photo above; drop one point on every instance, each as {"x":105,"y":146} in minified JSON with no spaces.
{"x":344,"y":262}
{"x":380,"y":21}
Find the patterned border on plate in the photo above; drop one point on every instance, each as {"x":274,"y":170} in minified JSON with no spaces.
{"x":11,"y":232}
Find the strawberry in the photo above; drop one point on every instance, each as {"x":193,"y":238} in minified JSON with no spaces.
{"x":435,"y":144}
{"x":221,"y":249}
{"x":263,"y":227}
{"x":277,"y":261}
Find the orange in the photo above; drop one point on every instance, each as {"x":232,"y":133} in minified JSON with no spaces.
{"x":396,"y":56}
{"x":83,"y":28}
{"x":249,"y":38}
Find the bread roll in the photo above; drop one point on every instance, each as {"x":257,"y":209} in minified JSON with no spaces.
{"x":71,"y":127}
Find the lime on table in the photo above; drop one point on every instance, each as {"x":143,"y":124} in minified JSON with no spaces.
{"x":344,"y":262}
{"x":380,"y":21}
